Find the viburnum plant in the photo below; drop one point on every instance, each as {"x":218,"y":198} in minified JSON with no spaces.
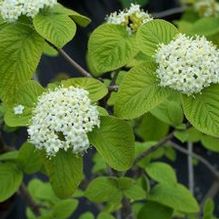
{"x":149,"y":88}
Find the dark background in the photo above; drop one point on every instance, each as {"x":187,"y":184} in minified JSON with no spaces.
{"x":51,"y":67}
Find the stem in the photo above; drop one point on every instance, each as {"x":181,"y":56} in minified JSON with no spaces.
{"x":71,"y":61}
{"x":190,"y":168}
{"x":169,"y":12}
{"x":28,"y":199}
{"x":199,"y":158}
{"x":126,"y":209}
{"x":153,"y":148}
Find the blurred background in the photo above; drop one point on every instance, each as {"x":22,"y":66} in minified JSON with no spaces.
{"x":57,"y":67}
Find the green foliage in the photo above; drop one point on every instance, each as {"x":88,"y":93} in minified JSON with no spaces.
{"x":155,"y":210}
{"x":20,"y":52}
{"x":110,"y":47}
{"x":26,"y":95}
{"x":203,"y":110}
{"x":55,"y":26}
{"x":209,"y":209}
{"x":176,"y":197}
{"x":96,"y":89}
{"x":161,"y":172}
{"x":104,"y":215}
{"x":116,"y":147}
{"x":29,"y":158}
{"x":10,"y":180}
{"x":147,"y":129}
{"x":65,"y":173}
{"x":153,"y":33}
{"x":139,"y":92}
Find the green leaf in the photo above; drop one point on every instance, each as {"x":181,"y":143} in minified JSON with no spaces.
{"x":147,"y":129}
{"x":103,"y":189}
{"x":202,"y":111}
{"x":78,"y":18}
{"x":153,"y":210}
{"x":64,"y":209}
{"x":65,"y":172}
{"x":20,"y":52}
{"x":161,"y":172}
{"x":110,"y":47}
{"x":26,"y":95}
{"x":208,"y":209}
{"x":57,"y":28}
{"x":114,"y":140}
{"x":10,"y":180}
{"x":96,"y":89}
{"x":211,"y":143}
{"x":177,"y":197}
{"x":139,"y":92}
{"x":9,"y":156}
{"x":42,"y":191}
{"x":86,"y":215}
{"x":210,"y":24}
{"x":29,"y":158}
{"x":131,"y":189}
{"x":153,"y":33}
{"x":170,"y":112}
{"x":104,"y":215}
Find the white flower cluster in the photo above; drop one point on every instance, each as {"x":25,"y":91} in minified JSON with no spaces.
{"x":18,"y":109}
{"x":131,"y":18}
{"x":61,"y":120}
{"x":11,"y":10}
{"x":207,"y":8}
{"x":187,"y":64}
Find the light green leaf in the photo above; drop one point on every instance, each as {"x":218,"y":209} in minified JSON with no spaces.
{"x":153,"y":210}
{"x":20,"y":52}
{"x":177,"y":197}
{"x":147,"y":129}
{"x":210,"y":24}
{"x":29,"y":158}
{"x":161,"y":172}
{"x":110,"y":47}
{"x":139,"y":92}
{"x":131,"y":189}
{"x":114,"y":140}
{"x":87,"y":215}
{"x":170,"y":111}
{"x":65,"y":172}
{"x":153,"y":33}
{"x":104,"y":215}
{"x":103,"y":189}
{"x":64,"y":209}
{"x":202,"y":111}
{"x":10,"y":180}
{"x":57,"y":28}
{"x":9,"y":156}
{"x":96,"y":89}
{"x":209,"y":209}
{"x":211,"y":143}
{"x":26,"y":95}
{"x":78,"y":18}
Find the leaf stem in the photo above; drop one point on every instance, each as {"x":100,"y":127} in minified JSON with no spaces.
{"x":190,"y":168}
{"x":29,"y":200}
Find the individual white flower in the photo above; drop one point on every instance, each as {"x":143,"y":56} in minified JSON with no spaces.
{"x":18,"y":110}
{"x":207,"y":8}
{"x":61,"y":120}
{"x":188,"y":64}
{"x":11,"y":10}
{"x":131,"y":18}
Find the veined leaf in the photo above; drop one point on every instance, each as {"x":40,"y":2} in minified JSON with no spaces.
{"x":110,"y":47}
{"x":139,"y":92}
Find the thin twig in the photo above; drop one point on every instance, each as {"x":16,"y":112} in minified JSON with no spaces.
{"x":71,"y":61}
{"x":169,"y":12}
{"x":190,"y":168}
{"x":28,"y":199}
{"x":198,"y":157}
{"x":153,"y":148}
{"x":126,"y":209}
